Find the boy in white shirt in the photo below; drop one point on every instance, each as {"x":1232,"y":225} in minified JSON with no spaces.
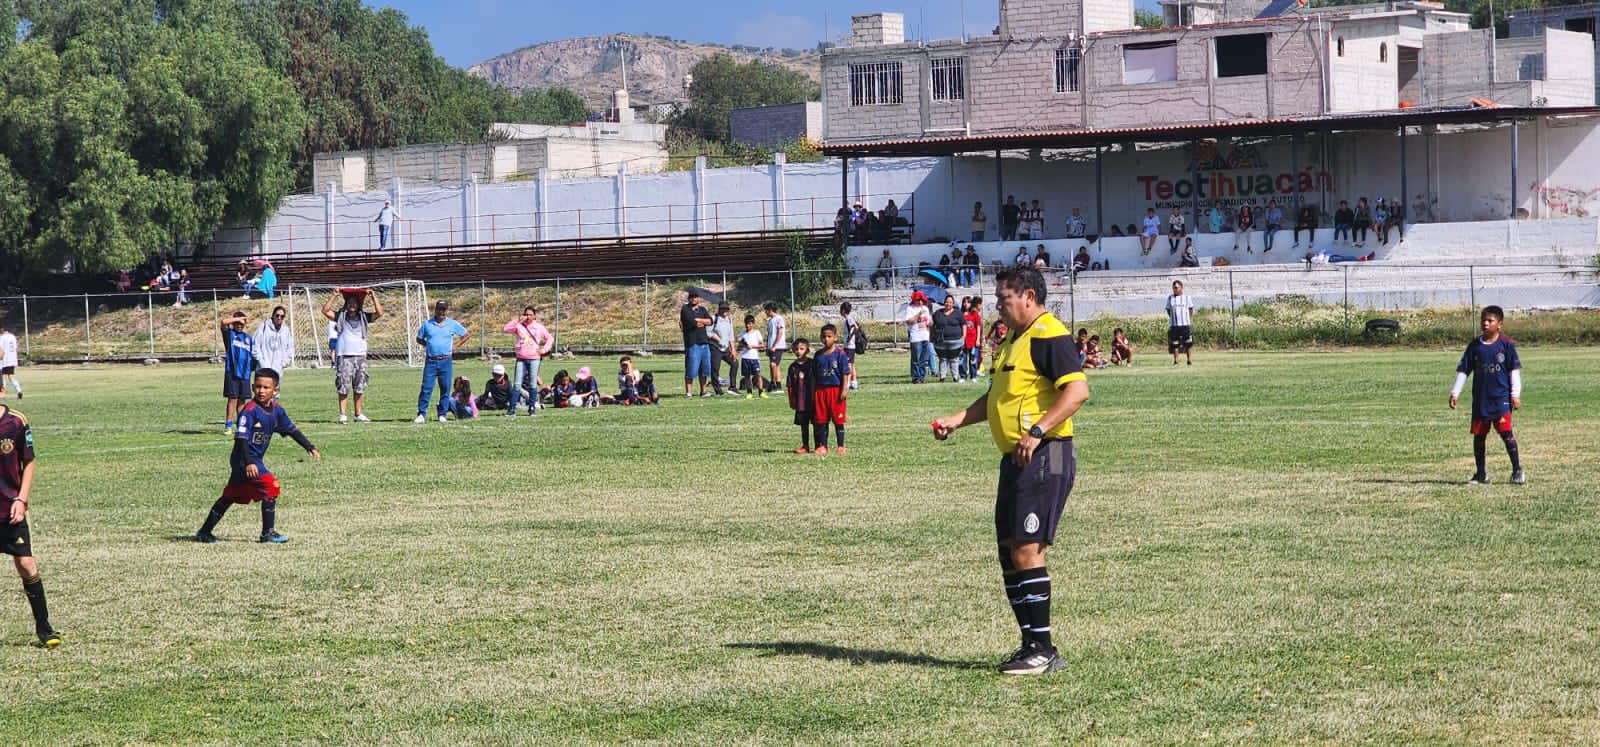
{"x":8,"y":361}
{"x":777,"y":345}
{"x":750,"y":347}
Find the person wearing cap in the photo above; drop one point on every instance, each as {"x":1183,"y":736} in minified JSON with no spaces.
{"x":239,"y":362}
{"x":693,"y":319}
{"x":439,"y":337}
{"x":498,"y":393}
{"x":586,"y":389}
{"x":533,"y":343}
{"x":385,"y":221}
{"x":919,"y":331}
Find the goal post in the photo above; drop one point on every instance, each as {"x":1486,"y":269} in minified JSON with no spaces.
{"x":389,"y":341}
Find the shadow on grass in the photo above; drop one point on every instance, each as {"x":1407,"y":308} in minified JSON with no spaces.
{"x":853,"y":655}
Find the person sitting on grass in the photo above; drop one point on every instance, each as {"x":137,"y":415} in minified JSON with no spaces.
{"x":1121,"y":349}
{"x":647,"y":389}
{"x":586,"y":388}
{"x":496,"y":391}
{"x":559,"y":393}
{"x":799,"y":384}
{"x":461,"y":401}
{"x":1093,"y":356}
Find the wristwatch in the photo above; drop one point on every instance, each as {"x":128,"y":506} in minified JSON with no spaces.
{"x":1036,"y":432}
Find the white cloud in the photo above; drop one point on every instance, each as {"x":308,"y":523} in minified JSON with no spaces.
{"x":778,"y":31}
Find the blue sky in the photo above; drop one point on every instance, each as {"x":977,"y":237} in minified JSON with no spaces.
{"x":469,"y":31}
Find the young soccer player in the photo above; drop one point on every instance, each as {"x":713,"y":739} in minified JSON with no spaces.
{"x":750,"y":347}
{"x":8,"y":360}
{"x":239,"y":359}
{"x":16,"y":482}
{"x":1496,"y":373}
{"x":1121,"y":349}
{"x":250,"y":480}
{"x":833,"y":374}
{"x":800,"y":384}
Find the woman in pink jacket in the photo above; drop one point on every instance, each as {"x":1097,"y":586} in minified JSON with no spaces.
{"x":533,"y":343}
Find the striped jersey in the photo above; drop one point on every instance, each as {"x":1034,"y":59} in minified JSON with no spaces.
{"x":1180,"y":310}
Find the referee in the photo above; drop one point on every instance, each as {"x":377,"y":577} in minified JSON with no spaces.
{"x":1038,"y":384}
{"x":1180,"y":315}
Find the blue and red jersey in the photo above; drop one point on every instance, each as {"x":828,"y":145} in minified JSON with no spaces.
{"x":253,"y":434}
{"x":832,"y":368}
{"x":1490,"y":365}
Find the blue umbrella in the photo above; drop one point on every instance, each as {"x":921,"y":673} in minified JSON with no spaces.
{"x":936,"y":276}
{"x":935,"y":294}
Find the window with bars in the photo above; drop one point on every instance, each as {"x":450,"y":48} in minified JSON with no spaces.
{"x":1068,"y":60}
{"x":949,"y":78}
{"x":875,"y":84}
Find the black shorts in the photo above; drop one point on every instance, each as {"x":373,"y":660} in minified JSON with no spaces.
{"x":1030,"y":499}
{"x":8,"y":371}
{"x":776,"y":356}
{"x":749,"y":367}
{"x":235,"y":388}
{"x":1179,"y":339}
{"x":14,"y":539}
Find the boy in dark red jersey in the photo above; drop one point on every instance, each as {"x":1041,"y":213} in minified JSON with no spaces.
{"x":16,"y":482}
{"x":1496,"y":391}
{"x":800,"y":384}
{"x":833,"y":374}
{"x":259,"y":419}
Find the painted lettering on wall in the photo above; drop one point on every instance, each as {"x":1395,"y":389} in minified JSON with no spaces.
{"x":1566,"y":201}
{"x":1220,"y":186}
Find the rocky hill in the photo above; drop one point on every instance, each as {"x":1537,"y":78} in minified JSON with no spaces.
{"x":592,"y":66}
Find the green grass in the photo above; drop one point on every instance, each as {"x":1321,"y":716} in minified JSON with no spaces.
{"x":1270,"y":547}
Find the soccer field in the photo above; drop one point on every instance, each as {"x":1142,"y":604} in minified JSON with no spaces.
{"x":1265,"y":546}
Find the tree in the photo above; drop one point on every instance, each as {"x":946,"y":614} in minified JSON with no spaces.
{"x":114,"y":142}
{"x":1147,"y":19}
{"x":722,"y":85}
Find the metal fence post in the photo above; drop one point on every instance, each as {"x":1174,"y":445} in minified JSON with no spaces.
{"x":558,"y":314}
{"x":216,"y":325}
{"x":1346,"y":303}
{"x":1472,"y":289}
{"x":645,"y":344}
{"x":27,"y":334}
{"x":1072,"y":298}
{"x":1233,"y":312}
{"x":724,"y":286}
{"x":150,"y":305}
{"x":88,"y":344}
{"x":791,"y":292}
{"x":483,"y":313}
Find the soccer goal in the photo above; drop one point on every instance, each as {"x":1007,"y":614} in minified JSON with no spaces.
{"x":405,"y":306}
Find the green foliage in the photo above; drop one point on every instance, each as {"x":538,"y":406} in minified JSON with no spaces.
{"x":1146,"y":19}
{"x":722,"y":85}
{"x":115,"y":142}
{"x":818,"y":271}
{"x":681,"y":152}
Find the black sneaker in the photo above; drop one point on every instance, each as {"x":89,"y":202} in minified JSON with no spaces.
{"x":1478,"y":479}
{"x":49,"y":638}
{"x":1033,"y":659}
{"x":205,"y":537}
{"x":1517,"y":478}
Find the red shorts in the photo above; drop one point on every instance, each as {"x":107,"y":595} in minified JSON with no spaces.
{"x":263,"y":488}
{"x":1481,"y":426}
{"x":829,"y":401}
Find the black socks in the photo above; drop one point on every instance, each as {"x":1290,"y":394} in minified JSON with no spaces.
{"x":1032,"y":595}
{"x":34,"y":588}
{"x":805,"y":437}
{"x":1511,"y":451}
{"x":217,"y":510}
{"x":269,"y":515}
{"x":1478,"y":443}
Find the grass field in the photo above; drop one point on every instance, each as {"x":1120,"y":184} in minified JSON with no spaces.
{"x":1270,"y":547}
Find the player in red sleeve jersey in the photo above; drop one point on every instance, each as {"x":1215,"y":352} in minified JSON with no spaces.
{"x":250,"y":481}
{"x":16,"y":482}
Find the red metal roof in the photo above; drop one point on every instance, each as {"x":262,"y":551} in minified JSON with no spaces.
{"x":1084,"y":138}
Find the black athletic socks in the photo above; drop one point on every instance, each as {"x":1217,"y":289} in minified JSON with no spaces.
{"x":1031,"y":594}
{"x":1479,"y":442}
{"x":838,"y":434}
{"x":820,"y":432}
{"x":1511,"y":451}
{"x":269,"y":516}
{"x":34,"y":588}
{"x":217,"y":510}
{"x":805,"y":437}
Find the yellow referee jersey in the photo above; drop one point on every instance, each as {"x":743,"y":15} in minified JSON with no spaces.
{"x":1030,"y":368}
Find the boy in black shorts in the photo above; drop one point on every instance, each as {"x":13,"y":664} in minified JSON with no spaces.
{"x":250,"y":481}
{"x":16,"y":482}
{"x":238,"y":360}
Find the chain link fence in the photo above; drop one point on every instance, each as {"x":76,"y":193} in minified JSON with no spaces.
{"x":1254,"y":305}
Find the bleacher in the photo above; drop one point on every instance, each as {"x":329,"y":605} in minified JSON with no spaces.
{"x":750,"y":251}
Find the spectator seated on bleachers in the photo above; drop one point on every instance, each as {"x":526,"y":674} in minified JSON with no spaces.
{"x":1080,"y":261}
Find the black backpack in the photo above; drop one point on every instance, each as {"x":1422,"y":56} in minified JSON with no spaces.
{"x":858,"y":338}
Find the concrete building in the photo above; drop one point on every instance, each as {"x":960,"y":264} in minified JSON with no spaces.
{"x":771,"y":126}
{"x":1579,"y":19}
{"x":511,"y":152}
{"x":1080,"y":64}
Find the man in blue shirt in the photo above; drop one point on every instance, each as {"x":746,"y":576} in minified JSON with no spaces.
{"x":439,"y":338}
{"x":1496,"y":371}
{"x":239,"y":361}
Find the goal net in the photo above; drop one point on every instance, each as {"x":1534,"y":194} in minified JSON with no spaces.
{"x":389,"y":341}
